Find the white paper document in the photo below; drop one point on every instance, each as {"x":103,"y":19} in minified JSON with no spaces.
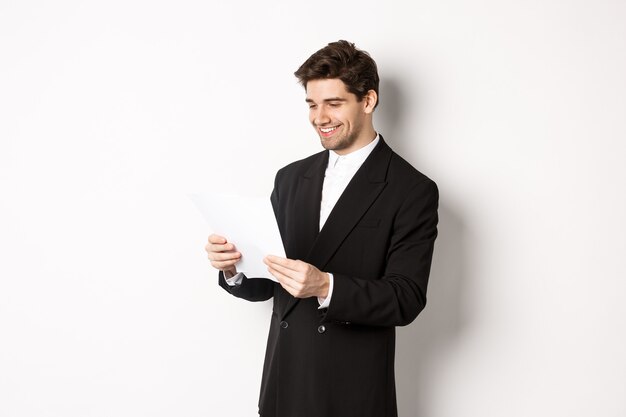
{"x":248,"y":223}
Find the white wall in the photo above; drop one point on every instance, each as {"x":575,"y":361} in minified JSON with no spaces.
{"x":111,"y":111}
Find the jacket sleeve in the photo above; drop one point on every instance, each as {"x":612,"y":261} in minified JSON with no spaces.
{"x":258,"y":289}
{"x":398,"y":296}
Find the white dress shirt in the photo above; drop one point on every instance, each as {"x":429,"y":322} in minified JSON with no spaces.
{"x":339,"y":173}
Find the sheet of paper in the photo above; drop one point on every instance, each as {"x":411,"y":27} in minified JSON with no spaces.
{"x":248,"y":223}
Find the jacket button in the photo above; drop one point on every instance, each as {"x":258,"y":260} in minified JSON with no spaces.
{"x":284,"y":324}
{"x":321,"y":329}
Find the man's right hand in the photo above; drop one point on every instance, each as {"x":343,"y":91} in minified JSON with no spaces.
{"x":223,"y":255}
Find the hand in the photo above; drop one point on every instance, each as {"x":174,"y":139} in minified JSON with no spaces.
{"x":223,"y":255}
{"x":300,"y":279}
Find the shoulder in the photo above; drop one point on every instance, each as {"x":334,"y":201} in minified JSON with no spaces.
{"x":401,"y":173}
{"x":404,"y":183}
{"x":302,"y":166}
{"x":412,"y":192}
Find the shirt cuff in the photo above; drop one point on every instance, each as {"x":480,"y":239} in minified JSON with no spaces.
{"x":234,"y":280}
{"x":324,"y":303}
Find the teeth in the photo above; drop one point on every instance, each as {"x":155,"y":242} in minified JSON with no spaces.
{"x":327,"y":129}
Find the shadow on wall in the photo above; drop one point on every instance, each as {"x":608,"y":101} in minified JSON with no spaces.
{"x":423,"y":344}
{"x":389,"y":116}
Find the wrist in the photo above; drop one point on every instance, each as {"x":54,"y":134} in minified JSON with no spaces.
{"x":326,"y":286}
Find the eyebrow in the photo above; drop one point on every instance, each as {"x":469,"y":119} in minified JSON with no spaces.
{"x":326,"y":100}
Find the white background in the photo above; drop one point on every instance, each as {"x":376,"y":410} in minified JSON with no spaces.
{"x":110,"y":112}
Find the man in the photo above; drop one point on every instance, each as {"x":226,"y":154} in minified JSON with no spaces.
{"x":358,"y":224}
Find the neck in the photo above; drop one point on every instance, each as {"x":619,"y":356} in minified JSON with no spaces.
{"x":365,"y":138}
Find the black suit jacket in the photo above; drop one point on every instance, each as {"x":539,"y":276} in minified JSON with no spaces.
{"x":378,"y":243}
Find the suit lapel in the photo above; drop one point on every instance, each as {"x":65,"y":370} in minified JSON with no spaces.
{"x":361,"y":192}
{"x":306,"y":218}
{"x":307,"y":206}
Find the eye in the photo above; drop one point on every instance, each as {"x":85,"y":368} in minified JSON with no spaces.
{"x":312,"y":106}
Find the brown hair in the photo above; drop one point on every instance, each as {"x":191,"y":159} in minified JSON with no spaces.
{"x":344,"y":61}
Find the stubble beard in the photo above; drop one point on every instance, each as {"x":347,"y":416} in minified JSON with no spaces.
{"x":340,"y":143}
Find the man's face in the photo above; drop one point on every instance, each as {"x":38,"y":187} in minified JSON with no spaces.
{"x":340,"y":120}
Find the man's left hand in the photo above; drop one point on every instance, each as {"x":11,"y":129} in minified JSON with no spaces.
{"x":300,"y":279}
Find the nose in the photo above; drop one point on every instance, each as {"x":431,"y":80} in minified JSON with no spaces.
{"x":319,"y":116}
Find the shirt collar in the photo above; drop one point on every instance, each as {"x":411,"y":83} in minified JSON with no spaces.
{"x":360,"y":155}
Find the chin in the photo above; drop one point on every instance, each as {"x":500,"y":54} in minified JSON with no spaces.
{"x":330,"y":146}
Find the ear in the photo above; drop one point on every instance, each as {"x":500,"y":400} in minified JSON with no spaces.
{"x":369,"y":101}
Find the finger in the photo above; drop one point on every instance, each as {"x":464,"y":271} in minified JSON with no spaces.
{"x":292,"y":287}
{"x":285,"y":280}
{"x":213,"y":238}
{"x":294,"y":275}
{"x":225,"y":260}
{"x":295,"y":293}
{"x":224,"y":264}
{"x":219,"y":248}
{"x":224,"y":256}
{"x":294,"y":265}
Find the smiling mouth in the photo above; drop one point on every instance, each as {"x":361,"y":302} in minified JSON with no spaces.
{"x":327,"y":131}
